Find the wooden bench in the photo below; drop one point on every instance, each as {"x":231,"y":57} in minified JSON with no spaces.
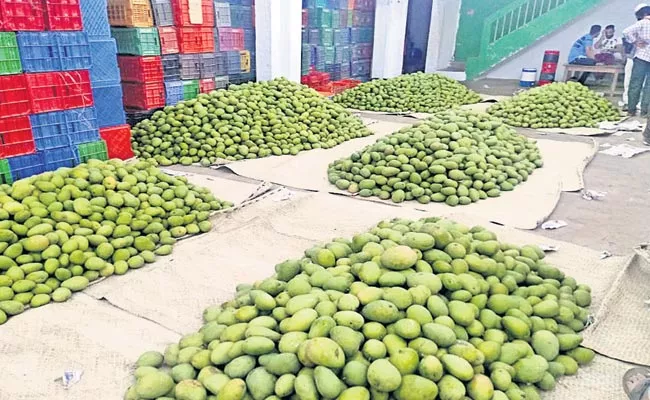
{"x":616,"y":70}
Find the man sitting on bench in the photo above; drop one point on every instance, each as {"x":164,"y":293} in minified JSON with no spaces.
{"x":582,"y":52}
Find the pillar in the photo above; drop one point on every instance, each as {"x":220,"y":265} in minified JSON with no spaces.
{"x":278,"y":27}
{"x":390,"y":33}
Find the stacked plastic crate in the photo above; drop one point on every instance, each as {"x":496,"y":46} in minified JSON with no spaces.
{"x":138,"y":48}
{"x":105,"y":83}
{"x":235,"y":38}
{"x":331,"y":31}
{"x":46,"y":113}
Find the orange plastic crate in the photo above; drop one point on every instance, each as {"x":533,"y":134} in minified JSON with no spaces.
{"x":130,"y":13}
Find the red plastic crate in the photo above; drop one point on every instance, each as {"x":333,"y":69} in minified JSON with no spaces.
{"x":143,"y":96}
{"x":14,"y":97}
{"x":206,"y":85}
{"x":118,"y":141}
{"x":140,"y":69}
{"x":16,"y":136}
{"x":168,"y":40}
{"x":44,"y":92}
{"x":184,"y":16}
{"x":62,"y":15}
{"x":195,"y":40}
{"x":21,"y":15}
{"x":350,"y":83}
{"x":75,"y":89}
{"x":230,"y":39}
{"x":305,"y":17}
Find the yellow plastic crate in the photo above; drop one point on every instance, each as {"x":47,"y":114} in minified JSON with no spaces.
{"x":245,"y":61}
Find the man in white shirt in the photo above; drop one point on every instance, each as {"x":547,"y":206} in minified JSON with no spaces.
{"x":629,"y":50}
{"x":639,"y":35}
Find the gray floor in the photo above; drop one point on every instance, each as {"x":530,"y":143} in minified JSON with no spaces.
{"x":619,"y":221}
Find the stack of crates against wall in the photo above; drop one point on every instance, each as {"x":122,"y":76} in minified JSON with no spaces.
{"x":142,"y":82}
{"x":104,"y":72}
{"x":130,"y":13}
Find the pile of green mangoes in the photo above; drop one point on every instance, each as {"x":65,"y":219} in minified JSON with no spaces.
{"x":247,"y":121}
{"x":557,"y":105}
{"x":410,"y":310}
{"x":420,"y":92}
{"x":456,"y":157}
{"x":61,"y":230}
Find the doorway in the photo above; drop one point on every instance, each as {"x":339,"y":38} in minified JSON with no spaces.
{"x":417,"y":35}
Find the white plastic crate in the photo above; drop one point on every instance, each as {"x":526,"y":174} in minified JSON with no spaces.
{"x":222,"y":15}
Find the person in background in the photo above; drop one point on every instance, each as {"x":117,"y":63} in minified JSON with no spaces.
{"x":582,"y":52}
{"x":639,"y":35}
{"x":629,"y":50}
{"x":608,"y":47}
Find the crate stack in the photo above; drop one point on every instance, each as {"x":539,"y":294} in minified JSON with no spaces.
{"x":235,"y":39}
{"x":337,"y":37}
{"x":138,"y":49}
{"x":105,"y":81}
{"x":235,"y":21}
{"x":47,"y":115}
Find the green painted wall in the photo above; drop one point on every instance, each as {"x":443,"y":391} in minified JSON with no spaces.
{"x":470,"y":27}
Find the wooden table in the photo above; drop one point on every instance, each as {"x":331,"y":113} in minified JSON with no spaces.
{"x":616,"y":70}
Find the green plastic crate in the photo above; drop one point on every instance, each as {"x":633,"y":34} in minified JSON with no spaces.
{"x":137,"y":41}
{"x":335,"y":19}
{"x":5,"y":172}
{"x":9,"y":56}
{"x":327,"y":37}
{"x":92,"y":151}
{"x":350,"y":18}
{"x":190,"y":89}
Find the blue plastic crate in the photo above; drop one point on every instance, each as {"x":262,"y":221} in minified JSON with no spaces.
{"x":233,"y":62}
{"x":104,"y":70}
{"x":241,"y":16}
{"x":49,"y":130}
{"x":108,"y":105}
{"x":249,"y":39}
{"x":81,"y":125}
{"x":94,"y":16}
{"x":59,"y":157}
{"x":74,"y":50}
{"x":173,"y":92}
{"x":245,"y":2}
{"x":27,"y":165}
{"x":39,"y":51}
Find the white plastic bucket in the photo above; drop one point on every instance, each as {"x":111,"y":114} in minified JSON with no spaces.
{"x":528,"y":77}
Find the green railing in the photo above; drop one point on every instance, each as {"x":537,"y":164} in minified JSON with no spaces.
{"x":518,"y":25}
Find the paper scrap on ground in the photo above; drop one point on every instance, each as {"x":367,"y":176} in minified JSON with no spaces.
{"x":592,"y":194}
{"x":554,"y":224}
{"x":69,"y":378}
{"x":628,"y":125}
{"x":605,"y":254}
{"x":625,"y":150}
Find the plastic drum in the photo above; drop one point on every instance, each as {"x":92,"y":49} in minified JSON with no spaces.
{"x":528,"y":77}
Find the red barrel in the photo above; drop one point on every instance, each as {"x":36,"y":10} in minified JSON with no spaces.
{"x":549,"y":67}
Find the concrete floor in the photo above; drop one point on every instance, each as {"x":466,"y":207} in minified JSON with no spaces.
{"x":620,"y":220}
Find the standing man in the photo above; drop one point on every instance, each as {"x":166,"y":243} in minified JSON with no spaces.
{"x":629,"y":50}
{"x":582,"y":52}
{"x":639,"y":35}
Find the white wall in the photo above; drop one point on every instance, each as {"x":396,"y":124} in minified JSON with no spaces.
{"x":442,"y":34}
{"x":278,"y":40}
{"x":617,"y":12}
{"x":390,"y":30}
